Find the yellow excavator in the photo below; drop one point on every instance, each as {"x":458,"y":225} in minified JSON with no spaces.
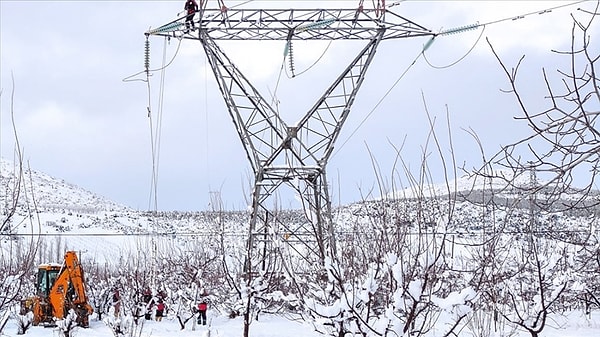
{"x":59,"y":289}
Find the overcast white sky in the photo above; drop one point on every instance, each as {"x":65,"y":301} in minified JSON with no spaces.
{"x":78,"y":121}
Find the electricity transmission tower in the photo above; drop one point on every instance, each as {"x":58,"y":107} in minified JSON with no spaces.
{"x":294,"y":155}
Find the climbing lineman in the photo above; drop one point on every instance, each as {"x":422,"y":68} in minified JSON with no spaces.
{"x":191,"y":7}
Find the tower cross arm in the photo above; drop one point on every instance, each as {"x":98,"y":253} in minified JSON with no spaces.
{"x":297,"y":24}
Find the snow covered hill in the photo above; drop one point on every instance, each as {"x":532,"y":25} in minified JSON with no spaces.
{"x":43,"y":192}
{"x":63,"y":208}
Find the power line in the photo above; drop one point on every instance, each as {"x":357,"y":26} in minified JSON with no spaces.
{"x":337,"y":233}
{"x":538,"y":12}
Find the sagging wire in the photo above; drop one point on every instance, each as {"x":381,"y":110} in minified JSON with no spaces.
{"x":288,"y":54}
{"x":449,"y":32}
{"x":155,"y":130}
{"x":538,"y":12}
{"x":147,"y":71}
{"x":291,"y":61}
{"x":380,"y":8}
{"x":289,"y":49}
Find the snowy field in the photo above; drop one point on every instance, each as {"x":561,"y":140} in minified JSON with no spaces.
{"x":575,"y":324}
{"x":268,"y":326}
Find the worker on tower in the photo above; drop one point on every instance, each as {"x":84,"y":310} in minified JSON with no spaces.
{"x":191,"y":7}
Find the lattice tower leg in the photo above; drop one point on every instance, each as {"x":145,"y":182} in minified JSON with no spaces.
{"x":295,"y":156}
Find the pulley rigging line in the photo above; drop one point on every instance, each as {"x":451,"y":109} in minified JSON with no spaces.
{"x":155,"y":132}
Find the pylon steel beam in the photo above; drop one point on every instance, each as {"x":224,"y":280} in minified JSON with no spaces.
{"x":293,"y":155}
{"x":299,"y":24}
{"x":290,"y":155}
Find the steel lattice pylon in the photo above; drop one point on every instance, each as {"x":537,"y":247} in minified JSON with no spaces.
{"x":292,"y":155}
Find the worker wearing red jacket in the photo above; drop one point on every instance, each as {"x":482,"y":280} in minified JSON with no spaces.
{"x":202,"y":306}
{"x":191,"y":7}
{"x":160,"y":310}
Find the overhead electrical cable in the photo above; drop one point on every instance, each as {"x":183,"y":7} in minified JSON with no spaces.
{"x":155,"y":129}
{"x":484,"y":25}
{"x":174,"y":25}
{"x":538,"y":12}
{"x":291,"y":59}
{"x":340,"y":233}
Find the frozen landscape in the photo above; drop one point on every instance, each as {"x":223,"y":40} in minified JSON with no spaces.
{"x":116,"y":243}
{"x":447,"y":238}
{"x":220,"y":326}
{"x":573,"y":325}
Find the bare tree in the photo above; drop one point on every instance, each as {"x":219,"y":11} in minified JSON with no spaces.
{"x":100,"y":291}
{"x":17,"y":254}
{"x":396,"y":274}
{"x":563,"y":150}
{"x":565,"y":142}
{"x":539,"y":276}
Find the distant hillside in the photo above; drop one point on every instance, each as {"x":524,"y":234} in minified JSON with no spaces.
{"x":480,"y":190}
{"x":51,"y":206}
{"x":45,"y":193}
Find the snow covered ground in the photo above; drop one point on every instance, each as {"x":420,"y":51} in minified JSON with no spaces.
{"x":268,"y":326}
{"x":574,"y":324}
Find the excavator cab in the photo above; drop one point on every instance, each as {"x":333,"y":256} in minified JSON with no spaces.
{"x":46,"y":276}
{"x":40,"y":304}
